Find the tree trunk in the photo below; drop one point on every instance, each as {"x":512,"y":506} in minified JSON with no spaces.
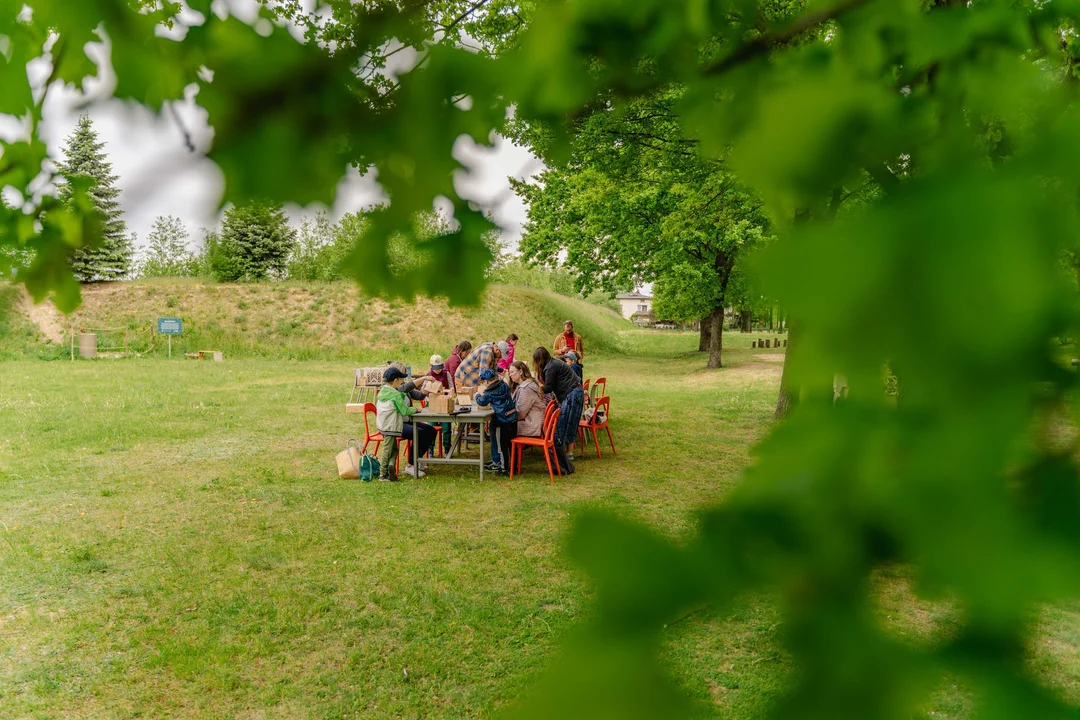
{"x":706,"y":330}
{"x":789,"y":394}
{"x":716,"y":337}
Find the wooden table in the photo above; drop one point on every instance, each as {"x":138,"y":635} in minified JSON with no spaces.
{"x":477,"y":415}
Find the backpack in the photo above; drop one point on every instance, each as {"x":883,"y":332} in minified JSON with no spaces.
{"x":369,"y":467}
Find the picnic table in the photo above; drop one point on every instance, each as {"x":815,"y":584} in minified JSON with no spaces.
{"x":476,"y":415}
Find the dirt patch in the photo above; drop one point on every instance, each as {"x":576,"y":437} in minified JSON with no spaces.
{"x":756,"y":371}
{"x":46,"y":317}
{"x":774,"y":358}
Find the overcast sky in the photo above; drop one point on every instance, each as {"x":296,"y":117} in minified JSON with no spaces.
{"x":157,"y":175}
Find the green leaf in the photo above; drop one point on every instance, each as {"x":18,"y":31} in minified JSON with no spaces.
{"x":264,"y":90}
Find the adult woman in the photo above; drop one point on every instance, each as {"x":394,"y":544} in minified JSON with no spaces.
{"x":558,"y":378}
{"x":528,"y":399}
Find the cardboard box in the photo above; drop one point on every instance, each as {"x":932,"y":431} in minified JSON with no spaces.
{"x":442,"y":403}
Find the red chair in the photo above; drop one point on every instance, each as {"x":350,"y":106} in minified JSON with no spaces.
{"x":595,"y":423}
{"x":377,"y":438}
{"x":371,"y":437}
{"x":546,"y":443}
{"x":600,"y":383}
{"x":551,"y":406}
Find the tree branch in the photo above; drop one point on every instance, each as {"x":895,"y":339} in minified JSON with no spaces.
{"x":760,"y":46}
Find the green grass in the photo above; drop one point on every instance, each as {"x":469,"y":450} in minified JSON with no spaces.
{"x":175,"y":543}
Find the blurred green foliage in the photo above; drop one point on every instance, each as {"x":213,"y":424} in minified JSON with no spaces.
{"x":958,"y":123}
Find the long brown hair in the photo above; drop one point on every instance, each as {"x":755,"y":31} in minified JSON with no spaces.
{"x":526,"y":375}
{"x":541,"y":357}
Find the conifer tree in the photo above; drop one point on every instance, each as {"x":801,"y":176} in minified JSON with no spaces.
{"x":256,"y":241}
{"x":84,"y":155}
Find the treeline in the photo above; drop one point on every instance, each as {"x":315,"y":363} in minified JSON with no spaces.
{"x":256,"y":242}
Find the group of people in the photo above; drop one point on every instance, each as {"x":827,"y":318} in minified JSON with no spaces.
{"x":517,"y":393}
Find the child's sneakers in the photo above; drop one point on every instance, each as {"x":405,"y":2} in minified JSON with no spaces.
{"x":388,"y":478}
{"x":411,"y":470}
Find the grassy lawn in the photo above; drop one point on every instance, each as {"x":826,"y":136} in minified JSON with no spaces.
{"x":175,"y":542}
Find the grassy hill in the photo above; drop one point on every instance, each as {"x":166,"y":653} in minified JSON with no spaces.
{"x":308,"y":321}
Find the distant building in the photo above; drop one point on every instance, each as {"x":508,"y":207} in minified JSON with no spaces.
{"x":633,"y":303}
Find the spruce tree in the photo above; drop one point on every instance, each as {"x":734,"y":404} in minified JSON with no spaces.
{"x":256,"y":241}
{"x":111,"y":260}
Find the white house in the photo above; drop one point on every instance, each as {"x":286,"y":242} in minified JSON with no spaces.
{"x":634,"y":302}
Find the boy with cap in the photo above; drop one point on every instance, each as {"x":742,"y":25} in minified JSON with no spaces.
{"x":571,"y":359}
{"x":496,"y":393}
{"x":438,"y":373}
{"x":391,"y":409}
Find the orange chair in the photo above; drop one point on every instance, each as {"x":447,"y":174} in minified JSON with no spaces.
{"x":595,"y":423}
{"x":546,"y":443}
{"x":551,"y":406}
{"x":599,"y":388}
{"x":377,"y":438}
{"x":371,"y":437}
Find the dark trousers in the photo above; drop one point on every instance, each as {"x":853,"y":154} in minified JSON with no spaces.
{"x":500,"y":449}
{"x":425,"y":438}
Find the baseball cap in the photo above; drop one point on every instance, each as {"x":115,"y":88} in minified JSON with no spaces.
{"x":392,"y":373}
{"x":572,"y":355}
{"x":487,"y":374}
{"x":436,"y":361}
{"x":503,"y":347}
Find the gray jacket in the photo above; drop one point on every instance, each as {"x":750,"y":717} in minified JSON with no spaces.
{"x":529,"y":401}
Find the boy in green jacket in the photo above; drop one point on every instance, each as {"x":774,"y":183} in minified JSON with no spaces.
{"x":391,"y":409}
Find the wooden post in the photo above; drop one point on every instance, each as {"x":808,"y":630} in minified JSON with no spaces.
{"x":753,"y":344}
{"x":72,"y":343}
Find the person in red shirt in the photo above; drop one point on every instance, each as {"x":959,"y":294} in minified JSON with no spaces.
{"x":568,"y":341}
{"x":459,"y":352}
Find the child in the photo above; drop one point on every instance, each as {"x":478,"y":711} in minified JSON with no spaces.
{"x":507,"y":357}
{"x":439,"y":373}
{"x":391,"y":409}
{"x":496,"y":393}
{"x":571,"y":360}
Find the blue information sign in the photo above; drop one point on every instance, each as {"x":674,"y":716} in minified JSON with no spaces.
{"x":170,"y":326}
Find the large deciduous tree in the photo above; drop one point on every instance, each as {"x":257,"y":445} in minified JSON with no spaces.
{"x":84,"y":156}
{"x":637,"y":203}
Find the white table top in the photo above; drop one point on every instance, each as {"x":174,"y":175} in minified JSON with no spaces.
{"x":477,"y":414}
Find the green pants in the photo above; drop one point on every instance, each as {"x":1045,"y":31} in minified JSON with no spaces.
{"x":445,"y":437}
{"x":387,"y":455}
